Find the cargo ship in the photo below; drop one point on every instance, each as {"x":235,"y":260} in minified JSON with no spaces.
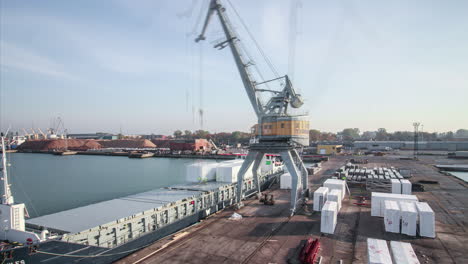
{"x":107,"y":231}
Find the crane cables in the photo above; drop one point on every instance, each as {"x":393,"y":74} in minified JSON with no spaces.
{"x":293,"y":32}
{"x":265,"y":57}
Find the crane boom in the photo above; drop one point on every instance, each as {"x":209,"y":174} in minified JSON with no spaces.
{"x":274,"y":121}
{"x":233,"y":41}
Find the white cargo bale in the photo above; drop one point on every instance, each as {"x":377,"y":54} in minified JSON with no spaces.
{"x":377,"y":201}
{"x":403,"y":253}
{"x":286,"y":181}
{"x":335,"y":196}
{"x":201,"y":172}
{"x":396,"y":186}
{"x":329,"y":217}
{"x":409,"y":217}
{"x":426,"y":220}
{"x":228,"y":172}
{"x":320,"y":197}
{"x":336,"y":184}
{"x":405,"y":187}
{"x":377,"y":252}
{"x":392,"y":216}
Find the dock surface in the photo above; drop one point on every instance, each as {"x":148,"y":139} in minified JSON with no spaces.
{"x":266,"y":234}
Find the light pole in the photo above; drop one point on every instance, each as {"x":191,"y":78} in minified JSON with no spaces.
{"x":416,"y":129}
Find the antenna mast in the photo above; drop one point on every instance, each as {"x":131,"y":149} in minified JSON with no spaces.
{"x":7,"y":198}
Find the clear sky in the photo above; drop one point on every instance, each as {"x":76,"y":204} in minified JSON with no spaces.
{"x":106,"y":65}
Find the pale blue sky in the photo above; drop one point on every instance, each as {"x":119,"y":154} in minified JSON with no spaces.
{"x":102,"y":65}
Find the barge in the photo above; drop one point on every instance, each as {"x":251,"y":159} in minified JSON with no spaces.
{"x":107,"y":231}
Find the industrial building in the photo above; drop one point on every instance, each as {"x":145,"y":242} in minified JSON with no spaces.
{"x":93,"y":136}
{"x":424,"y":145}
{"x":184,"y":144}
{"x":329,"y":149}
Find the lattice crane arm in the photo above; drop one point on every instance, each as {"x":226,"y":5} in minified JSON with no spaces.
{"x":233,"y":41}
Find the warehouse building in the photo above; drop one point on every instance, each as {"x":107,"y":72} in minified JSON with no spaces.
{"x":329,"y":149}
{"x":408,"y":145}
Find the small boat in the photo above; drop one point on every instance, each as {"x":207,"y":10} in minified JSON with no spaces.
{"x":141,"y":155}
{"x":65,"y":152}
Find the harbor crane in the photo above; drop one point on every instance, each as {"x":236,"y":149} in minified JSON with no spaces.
{"x":277,"y":130}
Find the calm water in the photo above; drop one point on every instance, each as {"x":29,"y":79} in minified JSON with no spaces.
{"x":460,"y":175}
{"x":49,"y":184}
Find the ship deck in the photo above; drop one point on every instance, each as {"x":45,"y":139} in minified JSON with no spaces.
{"x":266,"y":234}
{"x":90,"y":216}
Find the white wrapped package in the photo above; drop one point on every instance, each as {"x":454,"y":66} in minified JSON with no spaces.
{"x":335,"y":196}
{"x":377,"y":201}
{"x":403,"y":253}
{"x":286,"y":181}
{"x":201,"y":172}
{"x":228,"y":172}
{"x":392,"y":216}
{"x":405,"y":187}
{"x":377,"y":252}
{"x":329,"y":217}
{"x":409,"y":217}
{"x":426,"y":220}
{"x":336,"y":184}
{"x":320,"y":197}
{"x":396,"y":186}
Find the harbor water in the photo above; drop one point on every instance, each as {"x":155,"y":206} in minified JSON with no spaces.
{"x":48,"y":183}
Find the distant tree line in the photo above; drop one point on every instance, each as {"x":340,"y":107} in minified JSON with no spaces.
{"x":222,"y":138}
{"x":347,"y":135}
{"x":354,"y":134}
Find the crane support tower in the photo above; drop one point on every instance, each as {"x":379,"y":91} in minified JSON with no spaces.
{"x":277,"y":130}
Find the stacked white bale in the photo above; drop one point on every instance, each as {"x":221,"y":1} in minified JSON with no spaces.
{"x":329,"y":217}
{"x":392,"y":216}
{"x":426,"y":220}
{"x":409,"y":218}
{"x":320,"y":197}
{"x":377,"y":252}
{"x":201,"y":172}
{"x":405,"y":187}
{"x":286,"y":181}
{"x":227,"y":172}
{"x":336,"y":184}
{"x":377,"y":201}
{"x":334,"y":195}
{"x":403,"y":253}
{"x":396,"y":186}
